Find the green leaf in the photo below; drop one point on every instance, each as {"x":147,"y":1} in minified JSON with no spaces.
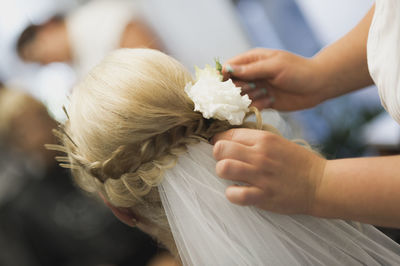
{"x":218,"y":65}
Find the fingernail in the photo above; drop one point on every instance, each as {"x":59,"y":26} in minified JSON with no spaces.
{"x":232,"y":192}
{"x":272,"y":99}
{"x":252,"y":85}
{"x":229,"y":68}
{"x":264,"y":91}
{"x":267,"y":102}
{"x":260,"y":93}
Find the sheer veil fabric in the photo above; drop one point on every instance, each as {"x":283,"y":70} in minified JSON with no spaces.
{"x":209,"y":230}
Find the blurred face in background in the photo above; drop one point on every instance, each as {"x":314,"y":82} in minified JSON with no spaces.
{"x":138,"y":34}
{"x":48,"y":43}
{"x":25,"y":126}
{"x":32,"y":128}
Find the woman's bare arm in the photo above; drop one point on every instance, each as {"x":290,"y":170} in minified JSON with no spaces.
{"x":361,"y":189}
{"x":344,"y":63}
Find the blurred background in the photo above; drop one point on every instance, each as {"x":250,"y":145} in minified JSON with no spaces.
{"x":47,"y":45}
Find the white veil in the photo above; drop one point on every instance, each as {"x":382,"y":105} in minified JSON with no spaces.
{"x":209,"y":230}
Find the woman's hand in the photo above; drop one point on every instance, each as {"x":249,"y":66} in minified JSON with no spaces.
{"x":288,"y":82}
{"x":280,"y":176}
{"x":278,"y":79}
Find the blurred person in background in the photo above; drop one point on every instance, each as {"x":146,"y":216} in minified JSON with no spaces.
{"x":45,"y":220}
{"x":85,"y":35}
{"x":25,"y":126}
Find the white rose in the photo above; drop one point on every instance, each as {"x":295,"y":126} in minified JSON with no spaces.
{"x":217,"y":99}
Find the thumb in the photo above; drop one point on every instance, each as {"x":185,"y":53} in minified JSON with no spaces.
{"x":257,"y":70}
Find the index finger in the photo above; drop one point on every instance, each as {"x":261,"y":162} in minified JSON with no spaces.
{"x":244,"y":136}
{"x":249,"y":56}
{"x":244,"y":59}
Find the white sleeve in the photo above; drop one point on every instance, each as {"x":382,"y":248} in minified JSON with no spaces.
{"x":383,"y":52}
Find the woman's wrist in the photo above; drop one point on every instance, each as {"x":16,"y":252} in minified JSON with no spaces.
{"x":317,"y":176}
{"x":359,"y":189}
{"x":325,"y":82}
{"x":319,"y":207}
{"x":331,"y":192}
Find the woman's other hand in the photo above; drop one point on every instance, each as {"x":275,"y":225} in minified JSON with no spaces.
{"x":280,"y":175}
{"x":278,"y":79}
{"x":288,"y":82}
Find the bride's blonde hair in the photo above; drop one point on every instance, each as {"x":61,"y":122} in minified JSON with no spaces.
{"x":129,"y":120}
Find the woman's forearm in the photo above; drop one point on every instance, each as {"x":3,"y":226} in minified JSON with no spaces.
{"x":363,"y":189}
{"x":343,"y":64}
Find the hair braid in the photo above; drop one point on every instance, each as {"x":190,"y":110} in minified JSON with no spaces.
{"x":137,"y":168}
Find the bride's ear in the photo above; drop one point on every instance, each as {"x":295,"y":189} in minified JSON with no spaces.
{"x":125,"y":215}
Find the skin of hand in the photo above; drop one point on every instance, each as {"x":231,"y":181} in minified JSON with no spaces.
{"x":279,"y":175}
{"x":286,"y":82}
{"x":265,"y":73}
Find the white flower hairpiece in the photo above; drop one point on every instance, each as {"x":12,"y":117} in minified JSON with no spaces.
{"x":217,"y":99}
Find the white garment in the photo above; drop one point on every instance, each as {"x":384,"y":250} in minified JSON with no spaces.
{"x":384,"y":54}
{"x":95,"y":29}
{"x":209,"y":230}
